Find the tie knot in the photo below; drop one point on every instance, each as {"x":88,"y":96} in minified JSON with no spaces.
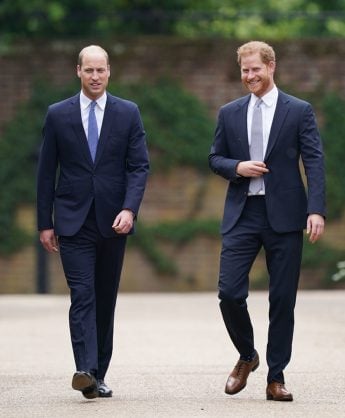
{"x":93,"y":104}
{"x":258,"y":103}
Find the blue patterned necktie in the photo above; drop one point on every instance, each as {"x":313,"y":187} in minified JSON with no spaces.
{"x":92,"y":134}
{"x":256,"y":146}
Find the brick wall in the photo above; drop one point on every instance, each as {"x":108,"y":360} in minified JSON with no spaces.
{"x":205,"y":67}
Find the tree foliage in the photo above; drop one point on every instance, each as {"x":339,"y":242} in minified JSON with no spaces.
{"x":272,"y":19}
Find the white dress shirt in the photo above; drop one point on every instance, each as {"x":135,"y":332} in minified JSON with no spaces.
{"x":85,"y":103}
{"x":268,"y":108}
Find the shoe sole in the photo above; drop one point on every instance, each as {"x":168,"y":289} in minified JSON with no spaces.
{"x":81,"y":382}
{"x":105,"y":395}
{"x":86,"y":385}
{"x":241,"y":388}
{"x":270,"y":397}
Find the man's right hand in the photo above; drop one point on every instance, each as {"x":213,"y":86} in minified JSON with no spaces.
{"x":49,"y":241}
{"x":251,"y":168}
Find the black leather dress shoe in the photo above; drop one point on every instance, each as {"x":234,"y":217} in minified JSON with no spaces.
{"x":103,"y":390}
{"x":86,"y":384}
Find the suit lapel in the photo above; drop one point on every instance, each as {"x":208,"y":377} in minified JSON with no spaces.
{"x":106,"y":126}
{"x":282,"y":110}
{"x":242,"y":128}
{"x":75,"y":117}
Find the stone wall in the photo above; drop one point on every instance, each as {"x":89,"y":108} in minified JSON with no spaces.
{"x":205,"y":67}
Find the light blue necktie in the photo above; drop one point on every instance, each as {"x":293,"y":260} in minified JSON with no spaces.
{"x":256,"y":146}
{"x":92,"y":134}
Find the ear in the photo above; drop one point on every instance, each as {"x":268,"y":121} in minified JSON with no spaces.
{"x":271,"y":66}
{"x":78,"y":71}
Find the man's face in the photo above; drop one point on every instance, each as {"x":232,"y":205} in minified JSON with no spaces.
{"x":257,"y":76}
{"x":94,"y":73}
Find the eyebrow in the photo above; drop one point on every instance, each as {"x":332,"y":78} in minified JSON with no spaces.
{"x":95,"y":68}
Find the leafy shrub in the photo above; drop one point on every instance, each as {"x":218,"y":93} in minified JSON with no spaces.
{"x":178,"y":127}
{"x":18,"y":157}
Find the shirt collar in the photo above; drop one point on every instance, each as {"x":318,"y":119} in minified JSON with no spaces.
{"x":85,"y":101}
{"x":269,"y":98}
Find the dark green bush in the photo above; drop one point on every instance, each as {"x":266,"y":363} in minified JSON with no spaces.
{"x":179,"y":233}
{"x":18,"y":157}
{"x":178,"y":127}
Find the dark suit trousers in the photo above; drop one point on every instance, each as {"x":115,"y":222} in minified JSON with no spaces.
{"x":283,"y":253}
{"x":92,"y":266}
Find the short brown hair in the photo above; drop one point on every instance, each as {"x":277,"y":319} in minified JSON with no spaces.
{"x":266,"y":51}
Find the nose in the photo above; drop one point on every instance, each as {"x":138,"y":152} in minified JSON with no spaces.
{"x":95,"y":74}
{"x":250,"y":74}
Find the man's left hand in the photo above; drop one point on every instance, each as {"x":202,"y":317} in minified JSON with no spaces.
{"x":315,"y":227}
{"x":123,"y":222}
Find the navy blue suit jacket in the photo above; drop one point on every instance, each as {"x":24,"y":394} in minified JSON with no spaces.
{"x":293,"y":134}
{"x":69,"y":181}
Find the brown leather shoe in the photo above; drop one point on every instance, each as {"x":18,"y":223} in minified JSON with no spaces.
{"x":238,"y":377}
{"x":276,"y":391}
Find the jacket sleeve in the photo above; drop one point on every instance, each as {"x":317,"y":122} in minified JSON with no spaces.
{"x":137,"y":164}
{"x":46,"y":175}
{"x":219,"y":158}
{"x":313,"y":161}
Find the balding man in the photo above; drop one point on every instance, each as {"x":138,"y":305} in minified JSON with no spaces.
{"x":92,"y":174}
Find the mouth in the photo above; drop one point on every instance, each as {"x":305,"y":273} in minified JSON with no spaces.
{"x":253,"y":84}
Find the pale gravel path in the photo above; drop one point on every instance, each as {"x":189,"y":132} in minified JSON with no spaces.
{"x":172,"y":359}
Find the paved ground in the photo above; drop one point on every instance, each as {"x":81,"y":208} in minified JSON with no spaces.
{"x":172,"y":359}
